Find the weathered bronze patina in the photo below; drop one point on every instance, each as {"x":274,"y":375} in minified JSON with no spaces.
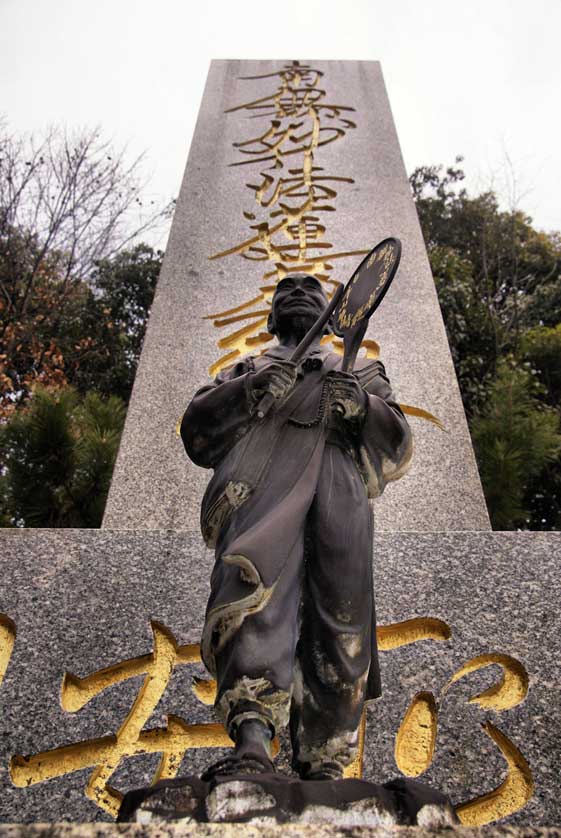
{"x":290,"y":629}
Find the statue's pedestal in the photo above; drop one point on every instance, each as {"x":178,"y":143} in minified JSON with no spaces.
{"x":80,"y":602}
{"x":267,"y":799}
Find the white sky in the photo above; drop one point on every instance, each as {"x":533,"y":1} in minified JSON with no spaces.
{"x":479,"y":78}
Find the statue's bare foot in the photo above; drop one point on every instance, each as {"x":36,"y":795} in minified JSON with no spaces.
{"x":237,"y":765}
{"x":252,"y":753}
{"x":323,"y":771}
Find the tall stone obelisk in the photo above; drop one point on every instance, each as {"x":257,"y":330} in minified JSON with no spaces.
{"x":292,"y":167}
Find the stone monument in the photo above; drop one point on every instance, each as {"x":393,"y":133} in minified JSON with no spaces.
{"x":294,"y":169}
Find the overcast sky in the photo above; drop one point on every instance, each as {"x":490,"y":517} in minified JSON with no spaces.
{"x":478,"y":78}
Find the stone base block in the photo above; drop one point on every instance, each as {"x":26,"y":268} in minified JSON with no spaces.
{"x":266,"y":799}
{"x":469,"y":628}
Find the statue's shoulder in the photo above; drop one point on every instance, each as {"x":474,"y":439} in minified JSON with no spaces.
{"x":259,"y":361}
{"x":369,"y":364}
{"x":249,"y":363}
{"x":367,"y":370}
{"x":235,"y":370}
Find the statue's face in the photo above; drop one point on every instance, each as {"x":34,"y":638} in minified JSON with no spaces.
{"x":297,"y":298}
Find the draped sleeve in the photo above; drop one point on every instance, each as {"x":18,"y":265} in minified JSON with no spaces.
{"x":385,"y":444}
{"x":218,"y":416}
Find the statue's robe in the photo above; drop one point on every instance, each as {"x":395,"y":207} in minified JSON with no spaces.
{"x":290,"y":627}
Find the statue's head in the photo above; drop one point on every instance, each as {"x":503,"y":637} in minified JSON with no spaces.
{"x":298,"y":301}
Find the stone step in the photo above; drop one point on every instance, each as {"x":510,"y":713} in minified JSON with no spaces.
{"x":215,"y":830}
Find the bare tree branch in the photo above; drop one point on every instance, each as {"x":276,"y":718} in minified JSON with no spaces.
{"x":68,"y":197}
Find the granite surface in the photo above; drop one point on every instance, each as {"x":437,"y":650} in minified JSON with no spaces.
{"x":83,"y":600}
{"x":154,"y":485}
{"x":215,"y":830}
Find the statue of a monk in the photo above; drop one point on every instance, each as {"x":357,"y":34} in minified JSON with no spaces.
{"x":290,"y":628}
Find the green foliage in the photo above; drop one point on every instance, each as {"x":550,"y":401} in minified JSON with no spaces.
{"x":73,"y":310}
{"x":542,"y":348}
{"x":470,"y":330}
{"x":507,"y":268}
{"x":58,"y":457}
{"x":514,"y":437}
{"x":69,"y":206}
{"x":543,"y":306}
{"x":84,"y":333}
{"x":108,"y":327}
{"x":499,"y":288}
{"x":543,"y":498}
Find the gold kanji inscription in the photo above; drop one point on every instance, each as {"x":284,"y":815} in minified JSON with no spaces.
{"x":417,"y":736}
{"x":416,"y":739}
{"x":291,"y":196}
{"x":7,"y":640}
{"x":392,"y":636}
{"x":105,"y":754}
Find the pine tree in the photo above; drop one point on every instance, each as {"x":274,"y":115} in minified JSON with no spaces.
{"x":58,"y":456}
{"x":514,"y":438}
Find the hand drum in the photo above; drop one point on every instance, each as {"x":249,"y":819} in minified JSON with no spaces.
{"x":363,"y":294}
{"x":351,"y":307}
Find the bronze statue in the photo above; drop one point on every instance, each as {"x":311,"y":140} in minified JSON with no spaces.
{"x":290,"y":630}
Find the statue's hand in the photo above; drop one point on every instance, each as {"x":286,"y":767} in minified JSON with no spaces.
{"x":277,"y":378}
{"x":346,"y":396}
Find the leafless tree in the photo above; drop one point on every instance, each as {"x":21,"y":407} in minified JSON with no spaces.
{"x":68,"y":197}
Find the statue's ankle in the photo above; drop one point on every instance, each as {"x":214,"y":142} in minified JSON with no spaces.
{"x":328,"y":770}
{"x":252,"y":751}
{"x":253,"y":737}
